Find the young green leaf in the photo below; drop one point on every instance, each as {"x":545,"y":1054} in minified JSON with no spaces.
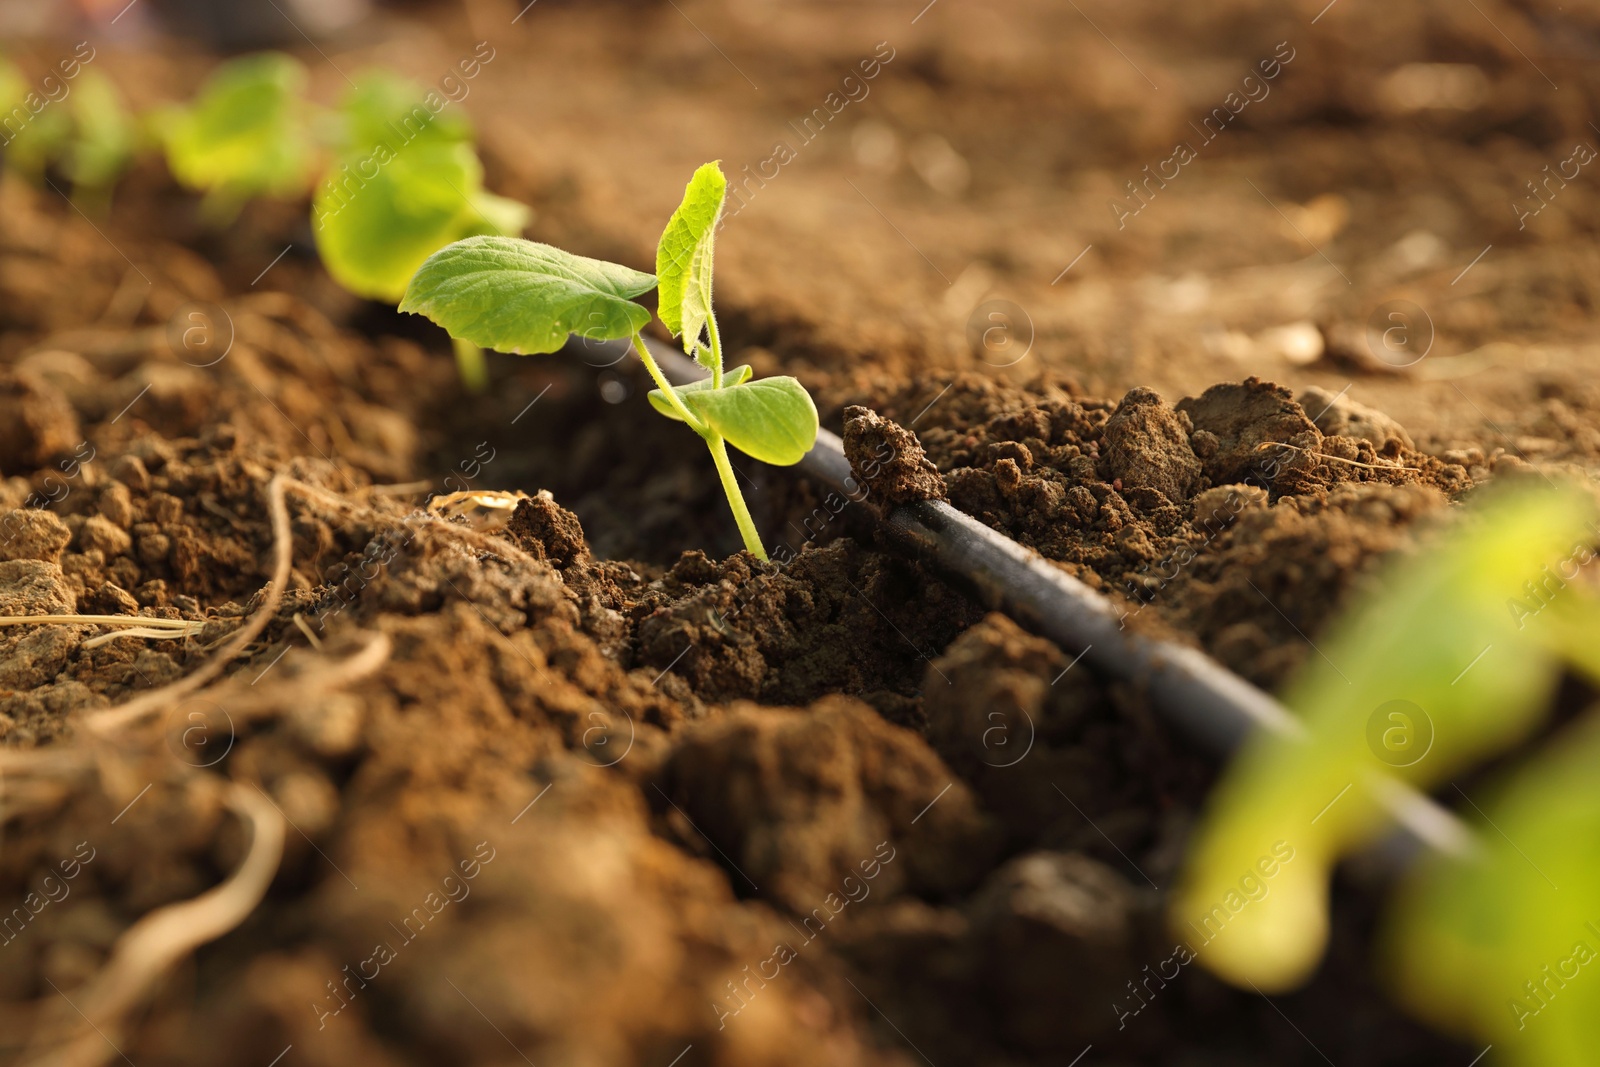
{"x":374,"y":232}
{"x":36,"y":131}
{"x":406,"y":184}
{"x":772,"y":420}
{"x":246,"y":134}
{"x":388,"y":110}
{"x":658,"y":400}
{"x":519,"y":296}
{"x":1399,"y":705}
{"x":104,"y":133}
{"x":1476,"y":944}
{"x":685,"y":253}
{"x":13,"y":87}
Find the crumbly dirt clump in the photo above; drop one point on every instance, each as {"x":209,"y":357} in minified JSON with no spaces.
{"x":1236,"y":425}
{"x":1147,"y":502}
{"x":798,"y":799}
{"x":1146,"y":445}
{"x":888,"y":460}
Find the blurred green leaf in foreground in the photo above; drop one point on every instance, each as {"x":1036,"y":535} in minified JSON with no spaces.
{"x":1455,"y":658}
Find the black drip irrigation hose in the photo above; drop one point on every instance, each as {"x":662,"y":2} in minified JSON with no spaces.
{"x":1212,"y":705}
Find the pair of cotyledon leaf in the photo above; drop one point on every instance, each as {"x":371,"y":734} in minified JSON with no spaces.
{"x":520,"y":296}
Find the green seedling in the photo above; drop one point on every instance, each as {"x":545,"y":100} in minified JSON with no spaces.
{"x":34,"y":136}
{"x":1504,"y":946}
{"x":104,"y":138}
{"x":1458,"y":658}
{"x":247,"y":133}
{"x":519,"y":296}
{"x":405,"y":183}
{"x":87,"y":134}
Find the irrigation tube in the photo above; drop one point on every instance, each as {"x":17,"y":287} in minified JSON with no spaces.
{"x":1211,"y":704}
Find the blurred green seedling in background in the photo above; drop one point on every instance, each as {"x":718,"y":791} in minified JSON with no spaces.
{"x":85,"y":133}
{"x":34,"y":136}
{"x":104,"y":137}
{"x":518,"y":296}
{"x":1454,"y":659}
{"x":247,"y":133}
{"x":404,"y":179}
{"x":405,"y":182}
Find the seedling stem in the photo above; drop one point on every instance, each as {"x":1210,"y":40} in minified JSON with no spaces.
{"x":472,"y":366}
{"x":716,"y":350}
{"x":730,"y":486}
{"x":713,"y":440}
{"x":665,"y":386}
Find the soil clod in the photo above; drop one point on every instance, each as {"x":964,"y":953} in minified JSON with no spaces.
{"x":808,"y":802}
{"x":1145,"y":444}
{"x":1232,"y":423}
{"x":1050,"y":925}
{"x":33,"y":533}
{"x":546,"y":530}
{"x":888,"y":459}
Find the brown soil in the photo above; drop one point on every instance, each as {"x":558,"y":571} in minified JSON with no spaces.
{"x":606,"y":790}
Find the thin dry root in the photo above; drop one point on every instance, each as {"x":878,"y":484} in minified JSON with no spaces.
{"x":100,"y":620}
{"x":151,"y":946}
{"x":107,"y":721}
{"x":127,"y":626}
{"x":1338,"y":459}
{"x":305,"y":628}
{"x":315,"y":681}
